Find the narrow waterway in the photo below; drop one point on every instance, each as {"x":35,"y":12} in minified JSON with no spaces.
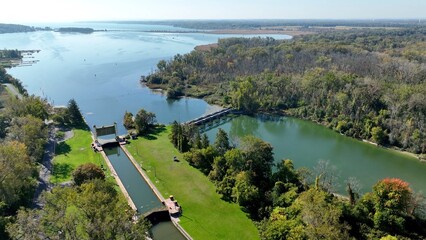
{"x":140,"y":193}
{"x":166,"y":231}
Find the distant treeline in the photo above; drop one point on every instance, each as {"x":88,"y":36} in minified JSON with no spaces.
{"x":249,"y":24}
{"x":365,"y":83}
{"x":15,"y":28}
{"x":75,"y":30}
{"x":14,"y":53}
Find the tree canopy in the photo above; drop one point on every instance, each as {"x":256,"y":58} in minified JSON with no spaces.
{"x":364,"y":83}
{"x":144,"y":120}
{"x":92,"y":210}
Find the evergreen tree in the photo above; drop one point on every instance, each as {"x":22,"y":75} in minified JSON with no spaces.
{"x":221,"y":144}
{"x":205,"y":141}
{"x":74,"y":113}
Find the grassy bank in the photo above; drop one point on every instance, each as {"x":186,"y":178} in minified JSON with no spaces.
{"x":205,"y":215}
{"x":72,"y":153}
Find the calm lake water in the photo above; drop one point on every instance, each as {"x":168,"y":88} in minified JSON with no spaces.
{"x":306,"y":143}
{"x":102,"y":70}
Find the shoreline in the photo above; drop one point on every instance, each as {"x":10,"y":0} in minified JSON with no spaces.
{"x":420,"y":157}
{"x":291,"y":33}
{"x":261,"y":31}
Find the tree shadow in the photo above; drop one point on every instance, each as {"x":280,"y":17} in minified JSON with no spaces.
{"x":154,"y":132}
{"x":81,"y":126}
{"x":62,"y":170}
{"x":62,"y":148}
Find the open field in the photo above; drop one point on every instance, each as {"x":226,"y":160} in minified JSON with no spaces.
{"x":205,"y":215}
{"x":72,"y":153}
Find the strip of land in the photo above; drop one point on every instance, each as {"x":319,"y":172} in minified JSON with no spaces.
{"x":205,"y":214}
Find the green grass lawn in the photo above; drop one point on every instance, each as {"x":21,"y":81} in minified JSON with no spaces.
{"x":72,"y":153}
{"x":205,"y":215}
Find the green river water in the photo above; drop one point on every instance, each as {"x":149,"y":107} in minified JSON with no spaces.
{"x":306,"y":143}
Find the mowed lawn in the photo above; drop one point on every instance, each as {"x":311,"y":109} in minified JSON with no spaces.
{"x":72,"y":153}
{"x":205,"y":214}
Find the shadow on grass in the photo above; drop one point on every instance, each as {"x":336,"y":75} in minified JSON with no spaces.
{"x":81,"y":126}
{"x":62,"y":148}
{"x":62,"y":170}
{"x":154,"y":132}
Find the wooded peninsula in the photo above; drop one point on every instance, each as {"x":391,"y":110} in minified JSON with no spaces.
{"x":364,"y":83}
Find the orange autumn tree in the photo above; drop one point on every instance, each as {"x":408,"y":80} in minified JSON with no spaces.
{"x":391,"y":199}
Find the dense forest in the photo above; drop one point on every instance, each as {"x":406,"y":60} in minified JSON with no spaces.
{"x":365,"y":83}
{"x":300,"y":204}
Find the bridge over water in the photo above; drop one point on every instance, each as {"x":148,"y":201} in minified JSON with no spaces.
{"x":213,"y":120}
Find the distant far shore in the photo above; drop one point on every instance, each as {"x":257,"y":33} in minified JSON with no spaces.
{"x":243,"y":31}
{"x":261,"y":31}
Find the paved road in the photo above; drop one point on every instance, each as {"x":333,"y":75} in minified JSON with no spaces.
{"x":13,"y":90}
{"x":46,"y":168}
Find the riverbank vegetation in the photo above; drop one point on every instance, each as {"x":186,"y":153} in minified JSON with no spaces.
{"x":6,"y":78}
{"x":91,"y":210}
{"x":205,"y":215}
{"x":23,"y":136}
{"x":300,"y":204}
{"x":23,"y":141}
{"x":364,"y":83}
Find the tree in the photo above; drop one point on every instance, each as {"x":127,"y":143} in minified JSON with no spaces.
{"x":246,"y":194}
{"x":74,"y":114}
{"x":201,"y":158}
{"x":17,"y":175}
{"x":391,"y":197}
{"x":144,"y":120}
{"x":205,"y":141}
{"x":221,"y":144}
{"x":93,"y":210}
{"x":326,"y":176}
{"x":244,"y":95}
{"x":87,"y":172}
{"x":128,"y":120}
{"x":36,"y":107}
{"x":179,"y":136}
{"x":32,"y":132}
{"x":259,"y":160}
{"x":378,"y":135}
{"x":285,"y":172}
{"x":279,"y":226}
{"x":321,"y":215}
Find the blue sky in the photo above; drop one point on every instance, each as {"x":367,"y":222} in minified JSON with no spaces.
{"x":78,"y":10}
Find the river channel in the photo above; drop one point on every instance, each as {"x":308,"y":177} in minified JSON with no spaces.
{"x":101,"y":71}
